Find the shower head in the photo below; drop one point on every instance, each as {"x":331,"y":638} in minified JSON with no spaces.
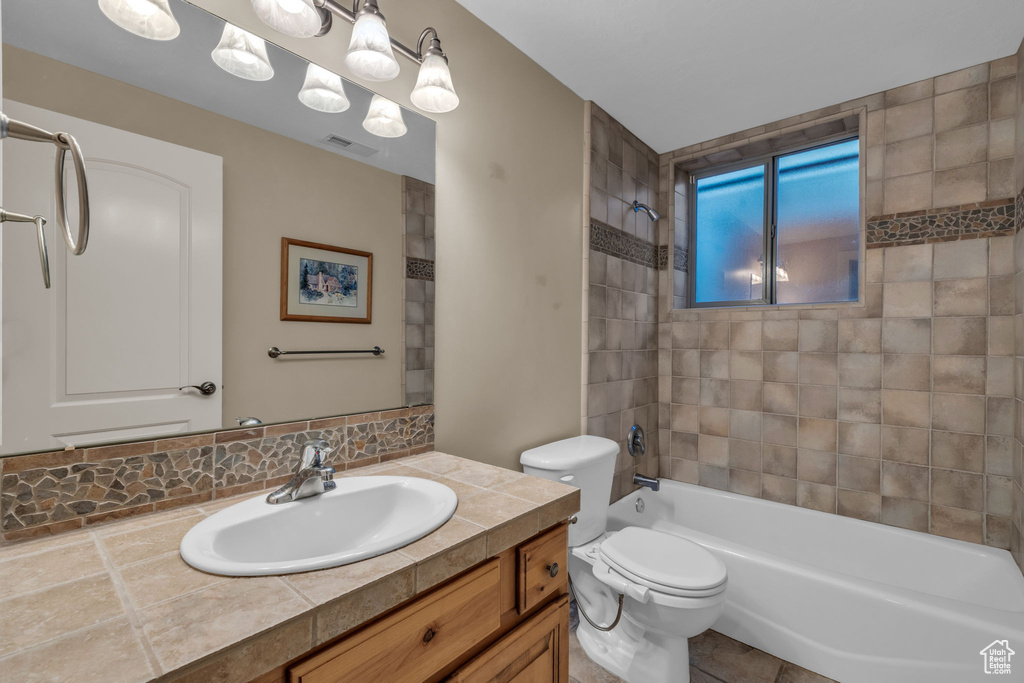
{"x":651,"y":213}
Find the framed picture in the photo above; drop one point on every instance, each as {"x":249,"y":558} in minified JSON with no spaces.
{"x":325,"y":284}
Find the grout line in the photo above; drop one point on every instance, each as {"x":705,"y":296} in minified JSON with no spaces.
{"x":302,"y":596}
{"x":53,"y":585}
{"x":129,"y":608}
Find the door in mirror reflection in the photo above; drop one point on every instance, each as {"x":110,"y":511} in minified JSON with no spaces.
{"x":100,"y":356}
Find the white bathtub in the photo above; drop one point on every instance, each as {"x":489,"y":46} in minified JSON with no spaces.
{"x":851,"y":600}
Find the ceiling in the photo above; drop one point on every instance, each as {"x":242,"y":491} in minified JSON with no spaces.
{"x":676,"y":72}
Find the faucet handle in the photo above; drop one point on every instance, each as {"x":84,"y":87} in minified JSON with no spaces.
{"x":314,"y":451}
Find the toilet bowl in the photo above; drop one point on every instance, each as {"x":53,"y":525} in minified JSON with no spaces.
{"x":672,"y":589}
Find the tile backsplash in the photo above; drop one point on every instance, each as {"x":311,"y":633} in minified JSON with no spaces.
{"x":46,"y":493}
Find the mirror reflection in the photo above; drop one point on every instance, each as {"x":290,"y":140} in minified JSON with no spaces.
{"x":241,"y":199}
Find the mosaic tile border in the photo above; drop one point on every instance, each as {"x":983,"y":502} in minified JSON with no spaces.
{"x":608,"y":240}
{"x":47,"y":493}
{"x":1020,"y":211}
{"x":419,"y":268}
{"x":967,"y":221}
{"x":662,"y":257}
{"x":679,"y":257}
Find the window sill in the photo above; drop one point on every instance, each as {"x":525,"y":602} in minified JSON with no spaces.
{"x":681,"y":314}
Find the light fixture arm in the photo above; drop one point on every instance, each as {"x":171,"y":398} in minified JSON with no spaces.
{"x":370,"y":7}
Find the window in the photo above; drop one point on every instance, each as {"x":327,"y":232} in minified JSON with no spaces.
{"x":783,"y":229}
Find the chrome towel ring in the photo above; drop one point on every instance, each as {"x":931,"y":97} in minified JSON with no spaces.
{"x":44,"y":259}
{"x":65,"y":143}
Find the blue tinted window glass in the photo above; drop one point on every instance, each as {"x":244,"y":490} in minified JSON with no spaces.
{"x":730,"y":236}
{"x":818,"y":219}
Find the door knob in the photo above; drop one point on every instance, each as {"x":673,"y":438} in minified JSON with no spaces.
{"x":206,"y":388}
{"x":553,"y":569}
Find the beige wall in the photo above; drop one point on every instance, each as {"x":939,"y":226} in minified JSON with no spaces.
{"x":261,"y":205}
{"x":509,"y":212}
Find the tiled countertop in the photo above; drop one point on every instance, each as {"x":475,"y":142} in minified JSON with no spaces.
{"x":117,"y":603}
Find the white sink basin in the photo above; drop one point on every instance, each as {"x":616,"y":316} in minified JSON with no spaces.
{"x":363,"y":517}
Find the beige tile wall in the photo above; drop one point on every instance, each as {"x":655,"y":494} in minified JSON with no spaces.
{"x":622,"y":345}
{"x":898,"y":412}
{"x":899,"y":409}
{"x":419,"y":245}
{"x":943,"y":141}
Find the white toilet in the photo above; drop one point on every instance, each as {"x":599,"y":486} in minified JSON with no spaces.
{"x":673,"y":588}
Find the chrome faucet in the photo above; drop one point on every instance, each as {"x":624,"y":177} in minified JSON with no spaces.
{"x":650,"y":482}
{"x":311,"y":479}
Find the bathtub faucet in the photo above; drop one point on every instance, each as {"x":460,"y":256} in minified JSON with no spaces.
{"x":650,"y":482}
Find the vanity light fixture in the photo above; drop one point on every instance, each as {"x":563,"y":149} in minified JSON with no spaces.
{"x":243,"y":54}
{"x":371,"y":51}
{"x":434,"y":91}
{"x":147,"y":18}
{"x":323,"y":90}
{"x":384,"y":118}
{"x":296,"y":18}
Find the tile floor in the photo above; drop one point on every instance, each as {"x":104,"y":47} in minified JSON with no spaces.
{"x":714,"y":658}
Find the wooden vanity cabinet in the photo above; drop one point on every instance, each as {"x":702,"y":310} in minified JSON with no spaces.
{"x":507,"y":619}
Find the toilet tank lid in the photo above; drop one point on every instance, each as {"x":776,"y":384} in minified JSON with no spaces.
{"x":569,"y":453}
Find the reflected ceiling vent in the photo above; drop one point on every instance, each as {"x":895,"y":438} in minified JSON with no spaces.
{"x":349,"y":146}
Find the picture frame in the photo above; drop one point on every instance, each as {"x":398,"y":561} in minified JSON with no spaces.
{"x":325,"y":284}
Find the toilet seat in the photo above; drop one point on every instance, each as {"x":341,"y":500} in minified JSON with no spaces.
{"x":663,"y":563}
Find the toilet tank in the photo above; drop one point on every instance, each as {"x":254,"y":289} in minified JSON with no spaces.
{"x":586,"y":462}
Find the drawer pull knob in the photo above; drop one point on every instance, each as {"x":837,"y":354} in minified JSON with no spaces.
{"x":553,"y":569}
{"x":428,"y":636}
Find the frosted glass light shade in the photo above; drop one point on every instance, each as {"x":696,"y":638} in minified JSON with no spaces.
{"x":147,"y":18}
{"x":384,"y":118}
{"x":242,"y":54}
{"x":323,"y":90}
{"x":369,"y":52}
{"x":298,"y":18}
{"x":434,"y":91}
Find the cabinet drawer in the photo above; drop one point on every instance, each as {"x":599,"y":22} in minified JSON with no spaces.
{"x":542,"y":568}
{"x":416,"y":642}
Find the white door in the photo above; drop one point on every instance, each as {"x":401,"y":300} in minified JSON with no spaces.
{"x":101,"y":355}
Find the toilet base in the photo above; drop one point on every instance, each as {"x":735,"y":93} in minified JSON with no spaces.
{"x":636,"y":655}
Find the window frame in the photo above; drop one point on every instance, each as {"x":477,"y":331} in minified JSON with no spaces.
{"x":770,"y":162}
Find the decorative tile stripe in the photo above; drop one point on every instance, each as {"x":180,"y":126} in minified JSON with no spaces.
{"x":680,"y":258}
{"x":614,"y":242}
{"x":419,"y":268}
{"x":1020,"y":211}
{"x":967,"y":221}
{"x":47,"y":493}
{"x":662,"y":251}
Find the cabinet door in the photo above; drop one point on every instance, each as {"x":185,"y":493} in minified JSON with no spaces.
{"x":535,"y":652}
{"x":418,"y":641}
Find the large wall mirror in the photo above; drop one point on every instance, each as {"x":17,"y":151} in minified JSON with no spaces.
{"x":196,"y":176}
